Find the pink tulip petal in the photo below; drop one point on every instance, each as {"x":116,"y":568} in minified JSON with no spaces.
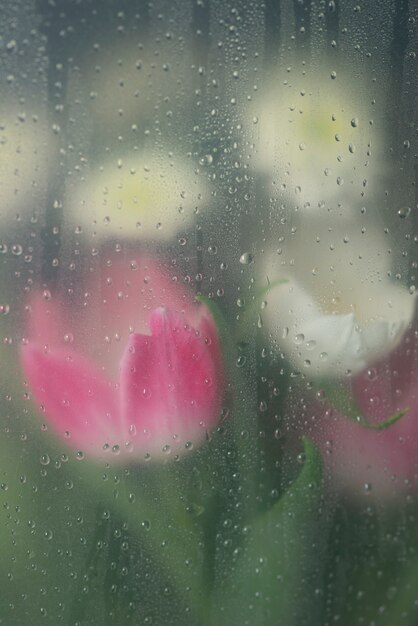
{"x":46,"y":320}
{"x":168,"y":383}
{"x":123,"y":292}
{"x":75,"y":397}
{"x":187,"y":359}
{"x":369,"y":462}
{"x":171,"y":379}
{"x":379,"y":463}
{"x":383,"y":389}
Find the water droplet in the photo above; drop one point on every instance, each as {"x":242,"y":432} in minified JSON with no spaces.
{"x":404,"y":212}
{"x":206,"y":160}
{"x":195,"y":510}
{"x":17,"y":249}
{"x":246,"y":258}
{"x":11,"y":45}
{"x":372,"y":373}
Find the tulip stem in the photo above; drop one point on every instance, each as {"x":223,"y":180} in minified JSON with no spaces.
{"x":173,"y":544}
{"x":243,"y":421}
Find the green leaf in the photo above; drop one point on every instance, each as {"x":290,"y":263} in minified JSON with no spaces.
{"x":220,"y":322}
{"x":273,"y":576}
{"x":339,"y":398}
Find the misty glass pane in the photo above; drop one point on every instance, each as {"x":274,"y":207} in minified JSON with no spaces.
{"x":209,"y":354}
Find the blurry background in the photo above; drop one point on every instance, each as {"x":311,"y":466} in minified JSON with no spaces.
{"x":202,"y":132}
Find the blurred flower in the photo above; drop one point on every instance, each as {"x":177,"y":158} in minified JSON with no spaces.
{"x":315,"y":139}
{"x":167,"y":394}
{"x":137,"y":197}
{"x":23,"y":171}
{"x":337,"y":311}
{"x":377,"y":463}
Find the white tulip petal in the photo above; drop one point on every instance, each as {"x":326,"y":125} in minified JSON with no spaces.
{"x":328,"y":345}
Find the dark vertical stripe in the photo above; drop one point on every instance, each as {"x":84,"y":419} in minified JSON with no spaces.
{"x":416,"y":185}
{"x":302,"y":11}
{"x":273,"y":22}
{"x":399,"y":43}
{"x":332,"y":21}
{"x":397,"y":53}
{"x":200,"y":29}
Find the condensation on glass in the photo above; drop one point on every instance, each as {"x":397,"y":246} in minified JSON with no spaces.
{"x":209,"y":368}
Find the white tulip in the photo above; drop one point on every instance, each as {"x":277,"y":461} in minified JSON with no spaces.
{"x":339,"y":311}
{"x":315,"y":139}
{"x":137,"y":198}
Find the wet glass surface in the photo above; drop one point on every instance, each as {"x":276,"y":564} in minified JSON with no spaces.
{"x":208,"y":262}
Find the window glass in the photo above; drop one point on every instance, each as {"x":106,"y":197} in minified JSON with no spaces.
{"x":208,"y":262}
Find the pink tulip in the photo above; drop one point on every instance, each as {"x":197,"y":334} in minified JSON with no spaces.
{"x":380,"y":464}
{"x":132,"y":365}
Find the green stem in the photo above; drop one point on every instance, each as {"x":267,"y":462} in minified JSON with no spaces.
{"x":172,"y":540}
{"x":243,"y":420}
